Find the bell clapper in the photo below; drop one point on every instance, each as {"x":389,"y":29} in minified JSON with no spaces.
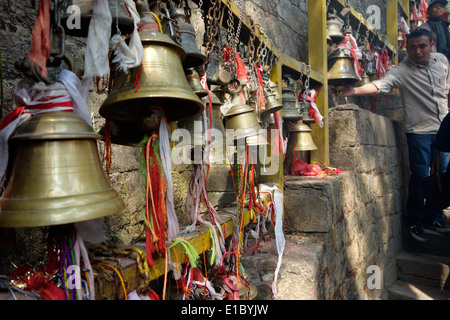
{"x":150,"y":122}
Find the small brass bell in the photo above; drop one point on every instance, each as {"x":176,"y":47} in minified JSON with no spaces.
{"x":194,"y":58}
{"x":290,"y":112}
{"x":241,"y":118}
{"x":274,"y":88}
{"x":365,"y":79}
{"x":334,"y":27}
{"x":56,"y":176}
{"x":215,"y":72}
{"x":194,"y":125}
{"x":341,"y":71}
{"x":119,"y":14}
{"x":161,"y":83}
{"x":303,"y":139}
{"x":221,"y":93}
{"x":372,"y":76}
{"x":272,"y":104}
{"x":195,"y":83}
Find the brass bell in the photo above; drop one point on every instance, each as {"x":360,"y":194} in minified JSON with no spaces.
{"x":55,"y":176}
{"x":194,"y":125}
{"x":241,"y":118}
{"x":341,"y":71}
{"x":220,"y":92}
{"x":215,"y":72}
{"x":303,"y":139}
{"x":365,"y":79}
{"x":160,"y":82}
{"x":194,"y":81}
{"x":194,"y":58}
{"x":334,"y":27}
{"x":272,"y":104}
{"x":372,"y":76}
{"x":290,"y":112}
{"x":304,"y":111}
{"x":119,"y":14}
{"x":216,"y":120}
{"x":274,"y":88}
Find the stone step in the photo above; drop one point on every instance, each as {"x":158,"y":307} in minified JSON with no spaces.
{"x":437,"y":244}
{"x":424,"y":269}
{"x":402,"y":290}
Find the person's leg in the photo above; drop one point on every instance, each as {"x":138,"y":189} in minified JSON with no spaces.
{"x":434,"y":219}
{"x":419,"y":151}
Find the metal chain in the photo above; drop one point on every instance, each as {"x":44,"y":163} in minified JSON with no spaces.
{"x":251,"y":43}
{"x":213,"y":19}
{"x":230,"y":23}
{"x":241,"y":15}
{"x":173,"y":23}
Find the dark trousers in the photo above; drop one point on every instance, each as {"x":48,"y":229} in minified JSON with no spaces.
{"x":422,"y":151}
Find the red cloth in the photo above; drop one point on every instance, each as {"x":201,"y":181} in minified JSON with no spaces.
{"x":40,"y":43}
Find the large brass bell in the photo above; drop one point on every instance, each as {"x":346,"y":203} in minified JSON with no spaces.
{"x":161,"y":83}
{"x":290,"y":112}
{"x":119,"y":14}
{"x":194,"y":58}
{"x":195,"y":83}
{"x":241,"y":118}
{"x":334,"y":27}
{"x":272,"y":104}
{"x":55,"y":174}
{"x":341,"y":71}
{"x":303,"y":139}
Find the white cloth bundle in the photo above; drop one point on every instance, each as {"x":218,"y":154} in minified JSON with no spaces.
{"x":96,"y":61}
{"x":128,"y":56}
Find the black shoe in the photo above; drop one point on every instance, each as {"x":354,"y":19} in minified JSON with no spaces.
{"x":437,"y":226}
{"x":418,"y":233}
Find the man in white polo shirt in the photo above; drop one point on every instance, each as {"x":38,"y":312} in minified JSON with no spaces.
{"x":423,"y":80}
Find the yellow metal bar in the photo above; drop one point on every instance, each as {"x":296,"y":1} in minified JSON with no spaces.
{"x":200,"y":239}
{"x":317,"y":52}
{"x":404,"y":5}
{"x":392,"y":15}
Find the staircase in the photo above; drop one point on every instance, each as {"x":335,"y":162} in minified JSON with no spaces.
{"x":423,"y":269}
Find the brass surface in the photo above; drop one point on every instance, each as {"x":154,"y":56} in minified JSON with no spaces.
{"x":161,"y":83}
{"x":290,"y":111}
{"x":194,"y":81}
{"x":194,"y":58}
{"x":243,"y":120}
{"x":303,"y":139}
{"x":272,"y":104}
{"x":341,"y":70}
{"x":55,"y":174}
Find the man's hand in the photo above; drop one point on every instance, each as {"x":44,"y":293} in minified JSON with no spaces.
{"x":343,"y":91}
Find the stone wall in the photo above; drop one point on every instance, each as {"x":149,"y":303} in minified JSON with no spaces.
{"x":358,"y":213}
